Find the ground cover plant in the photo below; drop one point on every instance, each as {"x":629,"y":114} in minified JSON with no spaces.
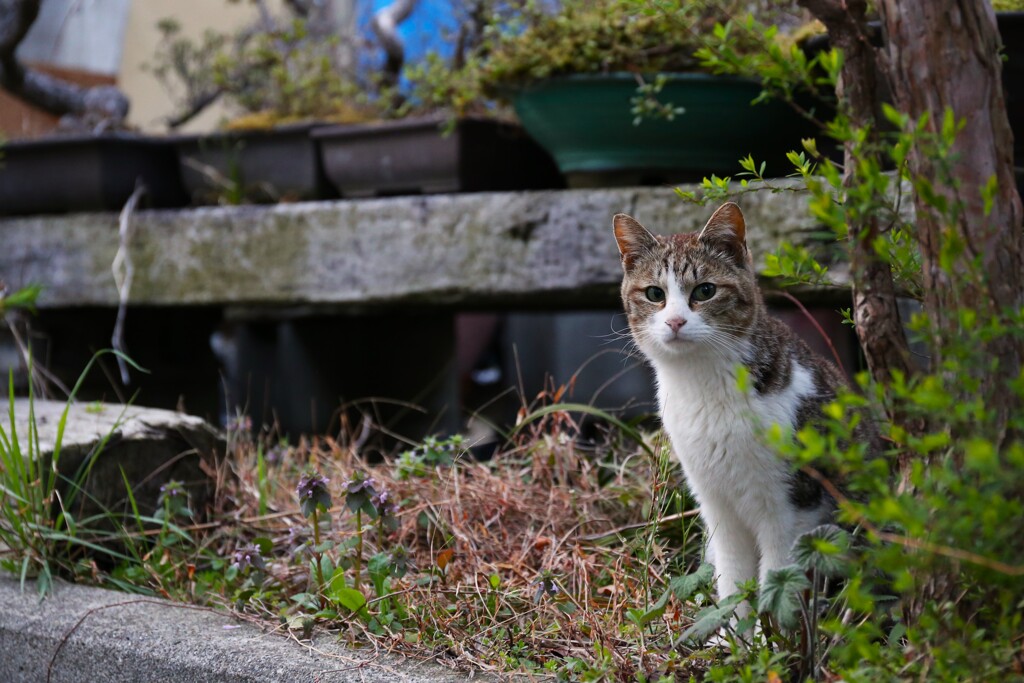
{"x":552,"y":557}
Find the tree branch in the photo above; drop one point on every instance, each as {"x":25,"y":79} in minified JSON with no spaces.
{"x":385,"y":26}
{"x":102,"y":105}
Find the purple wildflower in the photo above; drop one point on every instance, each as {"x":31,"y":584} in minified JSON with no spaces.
{"x":172,"y":489}
{"x":239,"y":423}
{"x":382,"y":501}
{"x":361,"y":482}
{"x":546,"y":586}
{"x":311,"y":484}
{"x":248,"y":556}
{"x":313,"y":494}
{"x":277,"y":453}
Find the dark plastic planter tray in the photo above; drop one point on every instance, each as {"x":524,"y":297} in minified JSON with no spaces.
{"x":258,"y":166}
{"x":87,"y":173}
{"x":415,"y":157}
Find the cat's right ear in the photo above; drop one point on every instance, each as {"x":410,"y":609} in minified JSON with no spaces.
{"x":633,"y":239}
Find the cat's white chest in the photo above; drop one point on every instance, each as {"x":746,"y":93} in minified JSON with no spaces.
{"x":717,"y":432}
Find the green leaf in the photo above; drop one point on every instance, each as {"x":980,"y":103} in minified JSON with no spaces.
{"x":781,"y":595}
{"x":710,"y":620}
{"x":989,"y":192}
{"x":22,"y":298}
{"x":379,"y":564}
{"x":684,"y":587}
{"x":637,"y":616}
{"x":823,"y":549}
{"x":566,"y":607}
{"x":307,"y":600}
{"x":265,"y":545}
{"x":379,"y":568}
{"x":894,"y":116}
{"x":980,"y":455}
{"x":811,"y":146}
{"x":348,"y":598}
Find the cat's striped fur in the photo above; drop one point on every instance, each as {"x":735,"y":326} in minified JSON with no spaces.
{"x":753,"y":504}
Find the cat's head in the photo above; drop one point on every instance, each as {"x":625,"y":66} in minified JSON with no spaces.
{"x":689,"y":292}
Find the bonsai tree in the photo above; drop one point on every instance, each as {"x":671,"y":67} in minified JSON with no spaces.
{"x":522,"y":44}
{"x":587,"y":36}
{"x":271,"y":77}
{"x":282,"y":69}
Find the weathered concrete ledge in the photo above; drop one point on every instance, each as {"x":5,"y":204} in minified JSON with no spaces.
{"x":550,"y":248}
{"x":90,"y":634}
{"x":148,"y":446}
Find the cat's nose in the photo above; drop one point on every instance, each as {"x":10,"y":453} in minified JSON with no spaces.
{"x":675,"y":324}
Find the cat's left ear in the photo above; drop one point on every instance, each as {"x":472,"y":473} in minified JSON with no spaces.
{"x":633,"y":239}
{"x":727,"y":229}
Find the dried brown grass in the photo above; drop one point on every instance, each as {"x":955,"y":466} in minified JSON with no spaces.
{"x":577,"y":537}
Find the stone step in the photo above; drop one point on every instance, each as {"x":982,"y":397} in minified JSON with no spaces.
{"x":151,"y":446}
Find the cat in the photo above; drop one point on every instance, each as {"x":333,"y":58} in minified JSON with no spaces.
{"x":696,"y":312}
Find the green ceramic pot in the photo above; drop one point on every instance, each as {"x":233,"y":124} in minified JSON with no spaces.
{"x":585,"y":123}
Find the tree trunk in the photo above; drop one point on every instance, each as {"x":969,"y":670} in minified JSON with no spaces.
{"x":875,"y":313}
{"x":945,"y":56}
{"x":939,"y":57}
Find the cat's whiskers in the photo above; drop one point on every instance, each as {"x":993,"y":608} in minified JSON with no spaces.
{"x":722,"y":355}
{"x":614,"y":336}
{"x":735,"y":345}
{"x":742,"y":330}
{"x":727,"y":353}
{"x":631,"y":351}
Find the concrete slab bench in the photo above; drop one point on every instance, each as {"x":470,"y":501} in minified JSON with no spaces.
{"x":547,"y":249}
{"x":314,"y":304}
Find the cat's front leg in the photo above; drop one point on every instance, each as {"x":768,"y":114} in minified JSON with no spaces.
{"x":776,"y":535}
{"x":733,"y":551}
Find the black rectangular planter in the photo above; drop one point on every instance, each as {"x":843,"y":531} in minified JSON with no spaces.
{"x":252,"y":166}
{"x":414,"y":156}
{"x":87,"y":173}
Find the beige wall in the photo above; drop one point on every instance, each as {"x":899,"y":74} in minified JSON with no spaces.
{"x":150,"y":104}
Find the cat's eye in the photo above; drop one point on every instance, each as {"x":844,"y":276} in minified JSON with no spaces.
{"x":703,"y":292}
{"x":655,"y":294}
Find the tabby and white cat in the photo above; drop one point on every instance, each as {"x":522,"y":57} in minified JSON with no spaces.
{"x":696,"y":312}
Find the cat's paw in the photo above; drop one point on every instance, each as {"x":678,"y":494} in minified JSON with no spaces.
{"x":730,"y":638}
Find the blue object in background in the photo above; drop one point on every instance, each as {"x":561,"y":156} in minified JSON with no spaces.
{"x":431,"y":27}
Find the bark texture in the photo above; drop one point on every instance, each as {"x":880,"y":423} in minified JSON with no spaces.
{"x":945,"y":56}
{"x":939,"y":57}
{"x":875,"y":312}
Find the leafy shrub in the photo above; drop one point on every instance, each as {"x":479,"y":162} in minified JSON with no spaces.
{"x":590,"y":36}
{"x":275,"y":75}
{"x":524,"y":43}
{"x":931,"y":585}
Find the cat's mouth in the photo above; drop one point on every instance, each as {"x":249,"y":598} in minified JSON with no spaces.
{"x":676,"y":341}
